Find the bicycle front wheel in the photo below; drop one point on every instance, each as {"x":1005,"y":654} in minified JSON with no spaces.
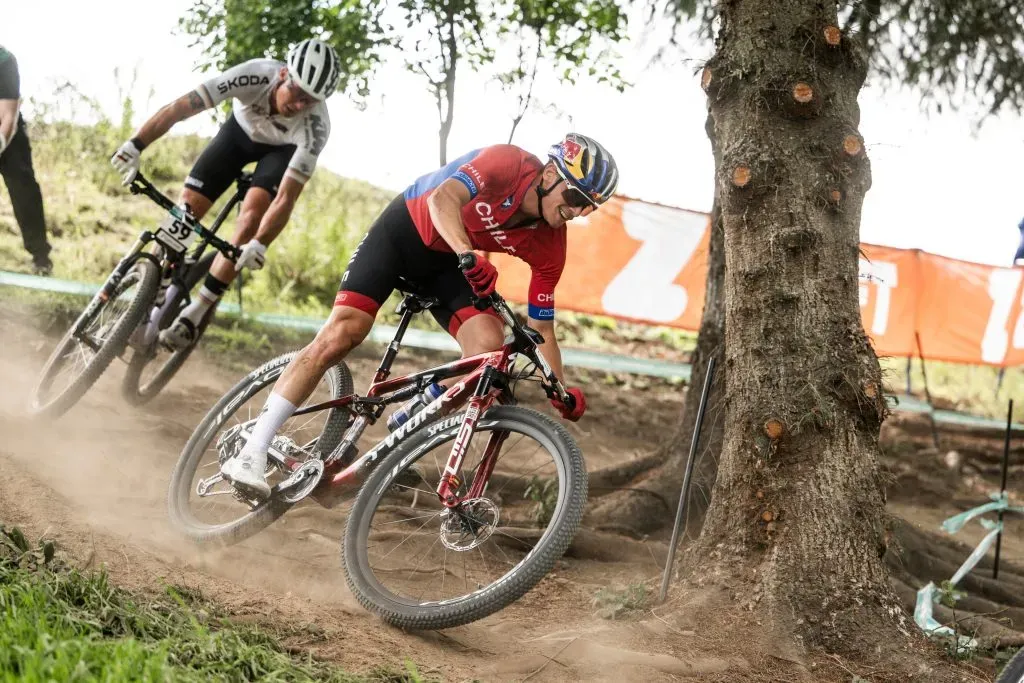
{"x":419,"y":565}
{"x":94,"y":340}
{"x":1013,"y":672}
{"x":149,"y":371}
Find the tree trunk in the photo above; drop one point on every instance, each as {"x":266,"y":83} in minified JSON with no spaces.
{"x":649,"y":504}
{"x":797,"y":513}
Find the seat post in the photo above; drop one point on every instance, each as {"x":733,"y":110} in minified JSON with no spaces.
{"x":384,"y":370}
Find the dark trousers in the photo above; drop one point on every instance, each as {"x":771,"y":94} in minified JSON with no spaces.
{"x":20,"y":178}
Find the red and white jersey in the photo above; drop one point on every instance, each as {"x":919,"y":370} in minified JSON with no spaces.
{"x":497,"y":178}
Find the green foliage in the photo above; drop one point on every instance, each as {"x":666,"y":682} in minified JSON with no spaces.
{"x":573,"y":38}
{"x":60,"y":624}
{"x":233,"y":31}
{"x":949,"y":595}
{"x":543,"y":492}
{"x":955,"y":53}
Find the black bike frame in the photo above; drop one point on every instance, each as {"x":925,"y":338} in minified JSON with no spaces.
{"x":208,"y":236}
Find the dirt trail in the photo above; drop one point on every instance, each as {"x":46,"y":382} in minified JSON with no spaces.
{"x":96,"y":480}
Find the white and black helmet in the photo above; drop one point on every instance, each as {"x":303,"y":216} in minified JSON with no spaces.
{"x":315,"y":67}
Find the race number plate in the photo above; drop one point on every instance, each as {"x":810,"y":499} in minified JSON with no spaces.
{"x":176,"y":232}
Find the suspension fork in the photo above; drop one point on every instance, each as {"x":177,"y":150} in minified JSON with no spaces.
{"x":482,"y":399}
{"x":114,"y":279}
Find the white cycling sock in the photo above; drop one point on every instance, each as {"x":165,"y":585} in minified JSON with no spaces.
{"x":200,"y":305}
{"x":275,"y":413}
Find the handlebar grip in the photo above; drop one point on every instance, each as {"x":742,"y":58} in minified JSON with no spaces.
{"x":467,"y":260}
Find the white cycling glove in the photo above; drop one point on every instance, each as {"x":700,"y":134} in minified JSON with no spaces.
{"x":126,"y":161}
{"x":253,"y":256}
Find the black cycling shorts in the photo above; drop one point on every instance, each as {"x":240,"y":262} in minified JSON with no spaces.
{"x":228,"y":153}
{"x":393,"y":256}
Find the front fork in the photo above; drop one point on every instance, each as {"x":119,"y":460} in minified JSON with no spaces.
{"x":113,"y":280}
{"x":482,"y":399}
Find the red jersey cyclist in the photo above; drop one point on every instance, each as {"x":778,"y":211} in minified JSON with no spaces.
{"x":495,"y":199}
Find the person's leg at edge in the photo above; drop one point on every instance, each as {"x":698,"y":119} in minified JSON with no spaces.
{"x":344,"y":330}
{"x":222,"y":272}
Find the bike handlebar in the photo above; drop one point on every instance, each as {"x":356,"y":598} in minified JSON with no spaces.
{"x":555,"y":388}
{"x":141,"y":185}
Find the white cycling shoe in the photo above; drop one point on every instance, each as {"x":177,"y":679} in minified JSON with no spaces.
{"x":247,"y":472}
{"x":181,"y":334}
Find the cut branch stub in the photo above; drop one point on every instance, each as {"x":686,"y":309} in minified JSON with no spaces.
{"x":833,"y":36}
{"x":852,"y":145}
{"x":706,"y":78}
{"x":774,"y":429}
{"x":835,"y":195}
{"x":767,"y":516}
{"x":741,"y":176}
{"x":870,"y":389}
{"x":803,"y":93}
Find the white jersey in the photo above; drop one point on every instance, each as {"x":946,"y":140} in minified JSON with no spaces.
{"x":251,"y":84}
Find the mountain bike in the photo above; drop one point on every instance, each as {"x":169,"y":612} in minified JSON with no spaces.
{"x":459,"y":513}
{"x":154,"y":278}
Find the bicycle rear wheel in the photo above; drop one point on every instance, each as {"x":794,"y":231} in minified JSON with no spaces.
{"x":92,"y":342}
{"x":151,"y":370}
{"x":419,"y":565}
{"x":218,"y":514}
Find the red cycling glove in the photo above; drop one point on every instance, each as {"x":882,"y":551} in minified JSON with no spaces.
{"x":576,"y":411}
{"x":482,"y":275}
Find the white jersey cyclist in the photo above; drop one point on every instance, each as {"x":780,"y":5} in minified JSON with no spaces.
{"x":251,"y":85}
{"x":279,"y":122}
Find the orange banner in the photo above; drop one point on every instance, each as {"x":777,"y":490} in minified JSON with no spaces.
{"x":647,"y":263}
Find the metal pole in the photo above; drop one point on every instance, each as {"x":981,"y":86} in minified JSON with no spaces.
{"x":684,"y":492}
{"x":928,"y":395}
{"x":1002,"y":488}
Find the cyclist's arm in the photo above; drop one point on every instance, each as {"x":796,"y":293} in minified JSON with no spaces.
{"x":445,"y":206}
{"x":170,"y":114}
{"x":549,"y":349}
{"x":280,"y":210}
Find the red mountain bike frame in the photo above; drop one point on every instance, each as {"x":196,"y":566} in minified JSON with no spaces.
{"x":483,"y":380}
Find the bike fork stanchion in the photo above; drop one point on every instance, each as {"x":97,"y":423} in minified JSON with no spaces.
{"x":684,"y":492}
{"x":1002,"y":488}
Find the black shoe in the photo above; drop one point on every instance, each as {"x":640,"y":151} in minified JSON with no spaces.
{"x":42,"y":265}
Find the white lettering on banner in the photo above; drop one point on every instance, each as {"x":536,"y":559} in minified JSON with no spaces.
{"x":1002,"y":289}
{"x":644,"y":288}
{"x":882,"y":274}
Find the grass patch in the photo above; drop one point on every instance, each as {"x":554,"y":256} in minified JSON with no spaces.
{"x":612,"y":602}
{"x":57,"y":623}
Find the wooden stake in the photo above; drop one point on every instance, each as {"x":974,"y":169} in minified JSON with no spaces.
{"x":741,"y":176}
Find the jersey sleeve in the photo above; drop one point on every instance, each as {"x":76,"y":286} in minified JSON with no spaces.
{"x":494,"y":171}
{"x":312,"y":140}
{"x":10,"y":82}
{"x":243,"y":81}
{"x":545,"y":272}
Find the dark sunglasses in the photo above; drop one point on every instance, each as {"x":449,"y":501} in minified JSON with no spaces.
{"x":575,"y":198}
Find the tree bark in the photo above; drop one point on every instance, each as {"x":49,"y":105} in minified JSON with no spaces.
{"x":797,"y":510}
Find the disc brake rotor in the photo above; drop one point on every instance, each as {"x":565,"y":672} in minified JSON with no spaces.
{"x":470,"y":524}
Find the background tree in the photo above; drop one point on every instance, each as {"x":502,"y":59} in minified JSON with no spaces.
{"x":961,"y":55}
{"x":233,"y":31}
{"x":440,"y":34}
{"x":572,"y":38}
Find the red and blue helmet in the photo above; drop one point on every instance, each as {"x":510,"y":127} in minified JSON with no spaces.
{"x":586,"y":166}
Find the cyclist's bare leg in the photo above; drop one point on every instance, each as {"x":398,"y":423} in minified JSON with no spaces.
{"x":344,"y":330}
{"x":480,"y":334}
{"x":222,"y":272}
{"x":257,"y":201}
{"x":197,"y":203}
